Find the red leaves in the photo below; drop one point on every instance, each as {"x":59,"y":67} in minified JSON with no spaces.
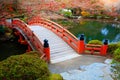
{"x":10,"y":8}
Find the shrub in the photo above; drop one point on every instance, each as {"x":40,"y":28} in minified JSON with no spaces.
{"x":115,"y":70}
{"x":117,"y":54}
{"x":95,"y":42}
{"x":56,"y":77}
{"x":112,"y":47}
{"x":23,"y":67}
{"x":85,"y":13}
{"x":8,"y":30}
{"x":66,"y":13}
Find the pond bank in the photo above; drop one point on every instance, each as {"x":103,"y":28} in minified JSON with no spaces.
{"x":103,"y":20}
{"x":9,"y":48}
{"x":9,"y":45}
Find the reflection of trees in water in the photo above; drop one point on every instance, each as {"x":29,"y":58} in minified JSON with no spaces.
{"x":117,"y":38}
{"x":97,"y":30}
{"x":104,"y":31}
{"x":111,"y":31}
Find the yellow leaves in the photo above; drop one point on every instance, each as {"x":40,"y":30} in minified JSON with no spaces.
{"x":82,"y":22}
{"x":85,"y":13}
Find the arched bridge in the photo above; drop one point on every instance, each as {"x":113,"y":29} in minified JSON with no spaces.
{"x":61,"y":44}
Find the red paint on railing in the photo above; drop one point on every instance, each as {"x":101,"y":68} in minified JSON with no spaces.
{"x":104,"y":50}
{"x":101,"y":49}
{"x":28,"y":48}
{"x":81,"y":46}
{"x":47,"y":53}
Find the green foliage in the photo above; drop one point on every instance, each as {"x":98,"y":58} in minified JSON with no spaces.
{"x":2,"y":30}
{"x":116,"y":70}
{"x":7,"y":30}
{"x":95,"y":42}
{"x":56,"y":77}
{"x":22,"y":67}
{"x":118,"y":17}
{"x":24,"y":18}
{"x":66,"y":13}
{"x":112,"y":47}
{"x":117,"y":54}
{"x":65,"y":23}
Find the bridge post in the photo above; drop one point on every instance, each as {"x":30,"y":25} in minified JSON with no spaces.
{"x":28,"y":48}
{"x":81,"y":44}
{"x":47,"y":50}
{"x":20,"y":38}
{"x":104,"y":48}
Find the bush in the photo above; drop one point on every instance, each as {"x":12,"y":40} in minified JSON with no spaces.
{"x":56,"y":77}
{"x":117,"y":54}
{"x":95,"y":42}
{"x":112,"y":47}
{"x":85,"y":13}
{"x":23,"y":67}
{"x":115,"y":70}
{"x":66,"y":13}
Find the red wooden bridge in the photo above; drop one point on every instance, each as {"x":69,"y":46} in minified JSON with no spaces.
{"x":54,"y":42}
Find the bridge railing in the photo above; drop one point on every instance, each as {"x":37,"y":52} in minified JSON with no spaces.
{"x":77,"y":44}
{"x":24,"y":27}
{"x":57,"y":29}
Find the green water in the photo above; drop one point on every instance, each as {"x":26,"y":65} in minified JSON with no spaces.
{"x":9,"y":48}
{"x":93,"y":30}
{"x":97,"y":30}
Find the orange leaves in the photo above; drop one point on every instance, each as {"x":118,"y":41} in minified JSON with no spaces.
{"x":84,"y":13}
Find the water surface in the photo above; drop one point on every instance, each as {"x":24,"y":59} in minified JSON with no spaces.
{"x":97,"y":30}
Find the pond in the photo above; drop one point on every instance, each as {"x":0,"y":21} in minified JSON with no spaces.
{"x":9,"y":48}
{"x":93,"y":30}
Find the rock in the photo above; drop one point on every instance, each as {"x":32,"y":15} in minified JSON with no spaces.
{"x":108,"y":61}
{"x":82,"y":67}
{"x":93,"y":66}
{"x":74,"y":71}
{"x":95,"y":71}
{"x":65,"y":75}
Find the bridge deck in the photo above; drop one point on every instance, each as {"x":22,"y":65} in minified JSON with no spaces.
{"x":59,"y":50}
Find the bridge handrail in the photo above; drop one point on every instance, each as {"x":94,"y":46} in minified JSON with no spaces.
{"x":57,"y":29}
{"x":33,"y":38}
{"x":65,"y":35}
{"x":61,"y":28}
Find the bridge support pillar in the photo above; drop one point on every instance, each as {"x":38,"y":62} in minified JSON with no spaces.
{"x":22,"y":41}
{"x":104,"y":48}
{"x":47,"y":50}
{"x":20,"y":38}
{"x":28,"y":49}
{"x":81,"y":44}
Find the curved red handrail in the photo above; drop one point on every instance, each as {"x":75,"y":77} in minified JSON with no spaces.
{"x":33,"y":38}
{"x":57,"y":29}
